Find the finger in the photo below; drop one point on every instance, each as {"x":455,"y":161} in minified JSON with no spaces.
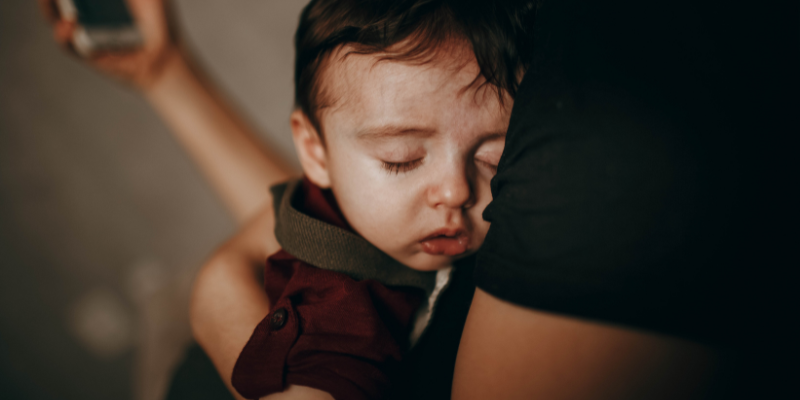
{"x":151,"y":19}
{"x":63,"y":31}
{"x":137,"y":6}
{"x":49,"y":10}
{"x":143,"y":9}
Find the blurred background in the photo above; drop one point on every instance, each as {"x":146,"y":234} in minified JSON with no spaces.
{"x":103,"y":218}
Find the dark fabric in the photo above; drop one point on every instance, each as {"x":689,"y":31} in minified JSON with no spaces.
{"x":321,"y":205}
{"x":626,"y":190}
{"x":334,"y":333}
{"x":426,"y":372}
{"x":195,"y":378}
{"x":644,"y":176}
{"x":341,"y":336}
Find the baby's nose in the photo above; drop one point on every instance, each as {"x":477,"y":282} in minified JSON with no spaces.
{"x":451,"y":190}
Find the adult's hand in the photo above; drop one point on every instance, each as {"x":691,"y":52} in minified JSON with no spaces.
{"x":511,"y":352}
{"x":141,"y":67}
{"x":225,"y":147}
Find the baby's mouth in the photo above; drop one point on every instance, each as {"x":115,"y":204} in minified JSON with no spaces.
{"x":448,"y":243}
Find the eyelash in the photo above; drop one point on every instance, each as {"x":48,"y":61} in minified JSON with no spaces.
{"x":396,"y":168}
{"x":492,"y":167}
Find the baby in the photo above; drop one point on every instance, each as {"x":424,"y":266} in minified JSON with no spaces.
{"x":399,"y":136}
{"x":401,"y":112}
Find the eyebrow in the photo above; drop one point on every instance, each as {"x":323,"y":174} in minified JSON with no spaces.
{"x":389,"y":131}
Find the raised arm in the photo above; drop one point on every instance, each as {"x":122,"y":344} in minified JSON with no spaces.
{"x":228,"y":299}
{"x":237,"y":164}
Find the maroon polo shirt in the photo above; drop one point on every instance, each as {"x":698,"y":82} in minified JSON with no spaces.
{"x":326,"y":329}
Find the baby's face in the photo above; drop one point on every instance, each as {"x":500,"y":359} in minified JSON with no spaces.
{"x":409,"y":152}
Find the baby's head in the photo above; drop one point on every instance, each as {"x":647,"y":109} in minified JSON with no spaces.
{"x":395,"y":114}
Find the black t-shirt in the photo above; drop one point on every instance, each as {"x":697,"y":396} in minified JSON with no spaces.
{"x":644,"y":175}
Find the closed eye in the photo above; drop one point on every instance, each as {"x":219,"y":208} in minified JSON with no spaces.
{"x":490,"y":166}
{"x":406,"y":166}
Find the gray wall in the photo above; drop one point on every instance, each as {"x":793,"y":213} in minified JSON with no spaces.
{"x":103,"y":218}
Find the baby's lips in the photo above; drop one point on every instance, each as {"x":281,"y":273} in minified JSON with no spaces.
{"x":445,"y":245}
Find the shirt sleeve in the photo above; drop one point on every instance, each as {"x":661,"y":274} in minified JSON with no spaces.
{"x":327,"y":331}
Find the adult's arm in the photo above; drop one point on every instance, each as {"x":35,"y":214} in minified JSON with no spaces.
{"x":228,"y":298}
{"x":228,"y":151}
{"x":511,"y":352}
{"x":234,"y":160}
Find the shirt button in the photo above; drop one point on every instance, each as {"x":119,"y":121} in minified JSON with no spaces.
{"x":278,"y":319}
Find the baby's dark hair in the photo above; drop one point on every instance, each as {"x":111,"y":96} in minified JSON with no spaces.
{"x":496,"y":29}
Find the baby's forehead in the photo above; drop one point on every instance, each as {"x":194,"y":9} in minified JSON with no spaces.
{"x":350,"y":75}
{"x":375,"y":88}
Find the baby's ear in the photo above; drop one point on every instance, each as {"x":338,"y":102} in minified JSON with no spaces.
{"x":310,"y":149}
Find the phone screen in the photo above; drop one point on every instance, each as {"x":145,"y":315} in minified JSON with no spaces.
{"x":103,"y":12}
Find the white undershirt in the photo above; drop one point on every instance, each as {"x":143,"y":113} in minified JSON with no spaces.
{"x":425,"y":311}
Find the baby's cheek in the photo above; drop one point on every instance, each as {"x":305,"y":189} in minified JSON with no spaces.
{"x":375,"y":220}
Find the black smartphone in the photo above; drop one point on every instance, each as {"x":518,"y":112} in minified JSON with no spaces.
{"x":103,"y":25}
